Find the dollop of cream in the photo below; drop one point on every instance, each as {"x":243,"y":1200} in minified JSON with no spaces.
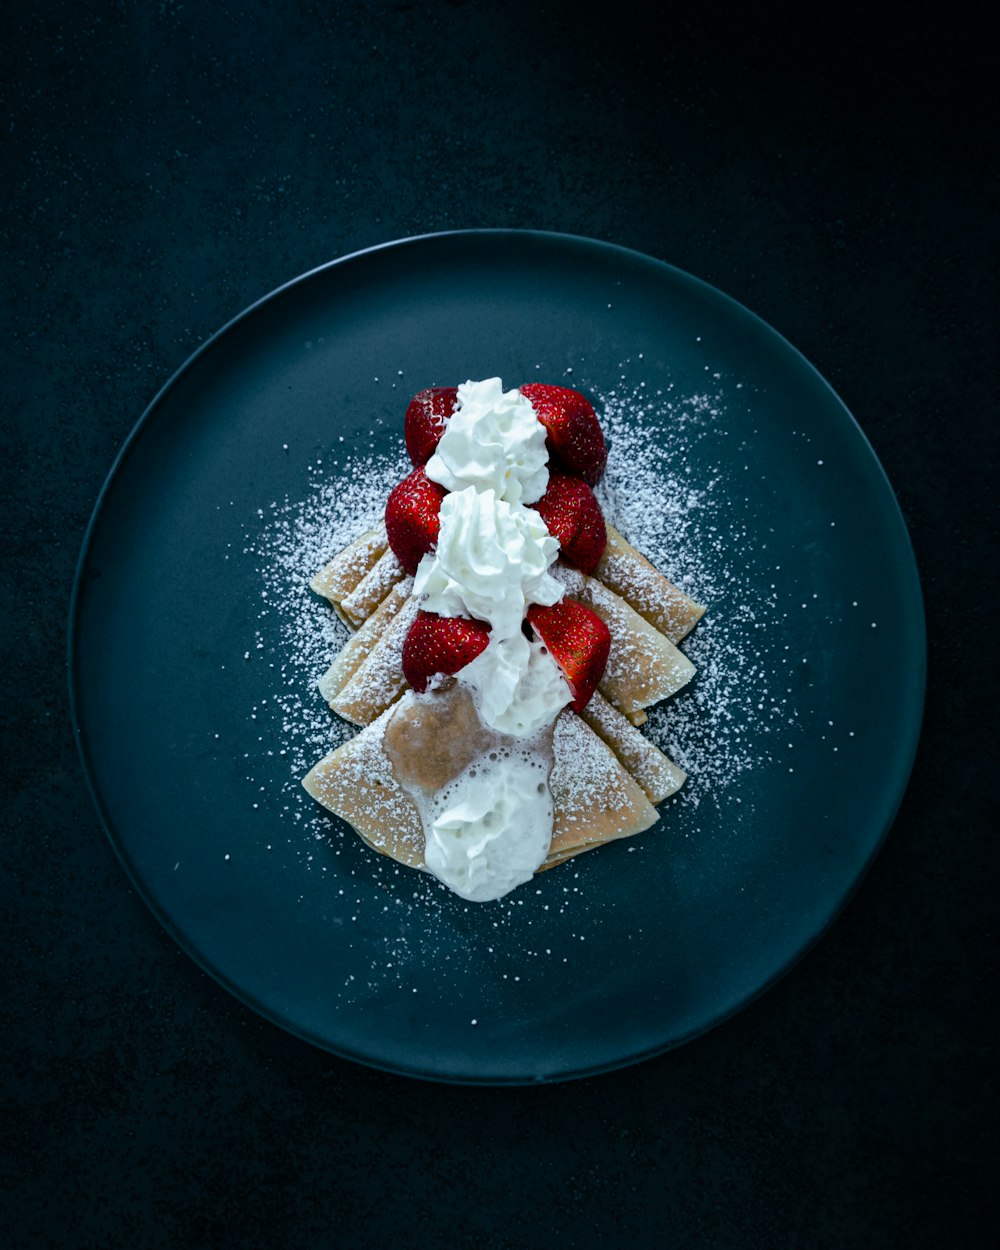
{"x":517,"y":685}
{"x":491,"y":827}
{"x":492,"y":441}
{"x":491,"y":561}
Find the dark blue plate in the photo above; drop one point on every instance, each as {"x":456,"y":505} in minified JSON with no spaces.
{"x":626,"y":952}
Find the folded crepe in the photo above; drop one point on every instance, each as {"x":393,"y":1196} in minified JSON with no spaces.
{"x":643,"y":587}
{"x":378,"y":680}
{"x":594,"y":799}
{"x":359,"y":646}
{"x":622,"y":569}
{"x":658,"y":775}
{"x":606,"y":775}
{"x":643,"y":666}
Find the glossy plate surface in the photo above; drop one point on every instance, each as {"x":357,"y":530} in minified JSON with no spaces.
{"x":631,"y":950}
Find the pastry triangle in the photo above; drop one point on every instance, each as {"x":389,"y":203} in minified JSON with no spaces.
{"x":658,"y":775}
{"x":372,"y":589}
{"x":337,"y":579}
{"x":644,"y":666}
{"x":378,"y":680}
{"x":357,"y":783}
{"x":594,"y":798}
{"x":643,"y":587}
{"x":357,"y":648}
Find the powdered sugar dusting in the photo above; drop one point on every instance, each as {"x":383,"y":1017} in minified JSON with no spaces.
{"x":657,"y":492}
{"x":298,"y":537}
{"x":667,"y":488}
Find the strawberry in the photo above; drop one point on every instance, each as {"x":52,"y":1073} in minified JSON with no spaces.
{"x":578,"y":641}
{"x":574,"y":439}
{"x":574,"y":519}
{"x":411,"y":518}
{"x":441,"y":644}
{"x":425,"y":420}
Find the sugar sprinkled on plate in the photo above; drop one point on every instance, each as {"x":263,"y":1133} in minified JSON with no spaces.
{"x":667,"y":491}
{"x":716,"y":728}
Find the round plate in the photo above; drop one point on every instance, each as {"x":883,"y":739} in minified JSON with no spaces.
{"x":178,"y":674}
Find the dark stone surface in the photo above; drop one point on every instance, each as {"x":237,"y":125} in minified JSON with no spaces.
{"x":166,"y":164}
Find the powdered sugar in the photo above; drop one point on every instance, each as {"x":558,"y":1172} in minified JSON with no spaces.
{"x":297,"y":538}
{"x":671,"y":503}
{"x":679,"y":518}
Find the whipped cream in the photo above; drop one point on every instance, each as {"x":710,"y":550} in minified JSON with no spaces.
{"x":490,"y":828}
{"x":492,"y":441}
{"x":491,"y":560}
{"x":517,"y":685}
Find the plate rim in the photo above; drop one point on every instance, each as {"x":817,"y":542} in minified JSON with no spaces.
{"x":275,"y":1017}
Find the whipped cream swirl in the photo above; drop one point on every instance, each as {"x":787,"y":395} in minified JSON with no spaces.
{"x":518,"y":686}
{"x":491,"y":561}
{"x":491,"y":827}
{"x":492,"y":441}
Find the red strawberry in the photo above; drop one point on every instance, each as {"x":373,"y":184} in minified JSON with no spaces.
{"x":578,"y":641}
{"x":411,"y":518}
{"x":425,"y":420}
{"x":441,"y":644}
{"x":574,"y":519}
{"x":574,"y":437}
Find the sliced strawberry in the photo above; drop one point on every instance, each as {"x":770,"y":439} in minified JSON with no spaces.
{"x":574,"y":518}
{"x":574,"y":435}
{"x":425,"y":420}
{"x":578,"y":641}
{"x":411,"y":518}
{"x":441,"y":644}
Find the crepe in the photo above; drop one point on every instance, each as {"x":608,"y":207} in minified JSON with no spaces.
{"x":594,"y":799}
{"x":338,"y":578}
{"x":357,"y":783}
{"x":658,"y":775}
{"x":606,"y":775}
{"x":378,"y":681}
{"x":643,"y":587}
{"x":622,"y":568}
{"x":360,"y":645}
{"x":643,"y":666}
{"x":362,"y":601}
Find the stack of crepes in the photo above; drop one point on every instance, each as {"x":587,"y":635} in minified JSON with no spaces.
{"x":606,"y":775}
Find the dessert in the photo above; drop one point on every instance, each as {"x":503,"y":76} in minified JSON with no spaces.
{"x":507,"y":643}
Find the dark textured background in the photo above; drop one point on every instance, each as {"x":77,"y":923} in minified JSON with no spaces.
{"x":166,"y":164}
